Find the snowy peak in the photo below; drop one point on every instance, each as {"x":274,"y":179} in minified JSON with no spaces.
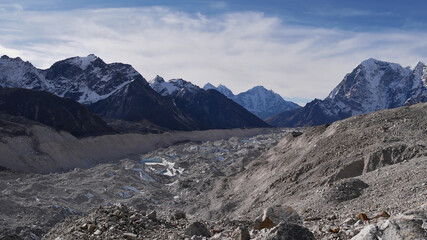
{"x":83,"y":79}
{"x":82,"y":62}
{"x":159,"y":85}
{"x":173,"y":86}
{"x":15,"y":73}
{"x":373,"y":85}
{"x":264,"y":103}
{"x":257,"y":100}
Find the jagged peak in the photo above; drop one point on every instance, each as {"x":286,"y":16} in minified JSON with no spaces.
{"x":420,"y":65}
{"x":158,"y":79}
{"x":209,"y":86}
{"x":9,"y":58}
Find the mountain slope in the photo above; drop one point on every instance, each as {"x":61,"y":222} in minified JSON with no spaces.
{"x":257,"y":100}
{"x":138,"y":102}
{"x":59,"y":113}
{"x":373,"y":85}
{"x":209,"y":108}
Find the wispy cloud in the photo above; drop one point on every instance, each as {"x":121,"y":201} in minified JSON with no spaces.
{"x":239,"y":50}
{"x":350,"y":12}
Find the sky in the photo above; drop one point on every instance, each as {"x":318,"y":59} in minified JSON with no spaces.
{"x":300,"y":49}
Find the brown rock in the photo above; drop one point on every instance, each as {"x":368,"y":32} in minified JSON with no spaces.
{"x":383,"y":214}
{"x":362,"y":216}
{"x":334,"y":230}
{"x":91,"y":228}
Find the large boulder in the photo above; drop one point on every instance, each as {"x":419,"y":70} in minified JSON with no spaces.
{"x":287,"y":231}
{"x":197,"y":229}
{"x":273,"y":215}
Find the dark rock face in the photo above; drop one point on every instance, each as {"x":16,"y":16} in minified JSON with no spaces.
{"x":138,"y":102}
{"x":373,"y":85}
{"x":46,"y":108}
{"x":211,"y":110}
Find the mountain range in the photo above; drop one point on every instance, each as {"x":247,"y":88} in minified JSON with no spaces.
{"x":373,"y":85}
{"x":209,"y":108}
{"x":118,"y":91}
{"x":257,"y":100}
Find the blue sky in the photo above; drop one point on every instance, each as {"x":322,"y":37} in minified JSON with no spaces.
{"x":299,"y":48}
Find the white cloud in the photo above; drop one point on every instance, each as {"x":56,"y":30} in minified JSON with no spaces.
{"x":239,"y":50}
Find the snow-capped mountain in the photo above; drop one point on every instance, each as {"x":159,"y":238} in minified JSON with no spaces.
{"x":173,"y":87}
{"x":258,"y":100}
{"x":209,"y":108}
{"x":113,"y":90}
{"x":84,"y":79}
{"x":373,"y":85}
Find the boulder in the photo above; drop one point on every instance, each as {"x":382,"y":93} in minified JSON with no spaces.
{"x":272,"y":216}
{"x":178,"y":215}
{"x":197,"y":229}
{"x":288,"y":231}
{"x":241,"y":234}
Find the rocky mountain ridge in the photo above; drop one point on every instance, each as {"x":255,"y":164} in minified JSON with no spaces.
{"x":257,"y":100}
{"x":117,"y":91}
{"x":373,"y":85}
{"x":48,"y":109}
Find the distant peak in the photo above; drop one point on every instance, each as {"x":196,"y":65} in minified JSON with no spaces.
{"x":259,"y":87}
{"x":158,"y":79}
{"x":420,"y":65}
{"x":7,"y":57}
{"x":209,"y":86}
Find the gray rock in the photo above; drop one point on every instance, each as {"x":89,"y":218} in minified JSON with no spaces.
{"x":178,"y":215}
{"x":197,"y":229}
{"x":276,"y":214}
{"x":289,"y":231}
{"x":241,"y":234}
{"x":152,"y":215}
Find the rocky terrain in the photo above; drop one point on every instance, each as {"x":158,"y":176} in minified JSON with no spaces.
{"x":361,"y":178}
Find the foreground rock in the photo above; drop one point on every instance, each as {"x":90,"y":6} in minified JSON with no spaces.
{"x":410,"y":225}
{"x":274,"y":215}
{"x":287,"y":231}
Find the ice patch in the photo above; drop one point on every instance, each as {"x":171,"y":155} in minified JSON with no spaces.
{"x":131,"y":189}
{"x":143,"y":175}
{"x":166,"y":168}
{"x":125,"y":195}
